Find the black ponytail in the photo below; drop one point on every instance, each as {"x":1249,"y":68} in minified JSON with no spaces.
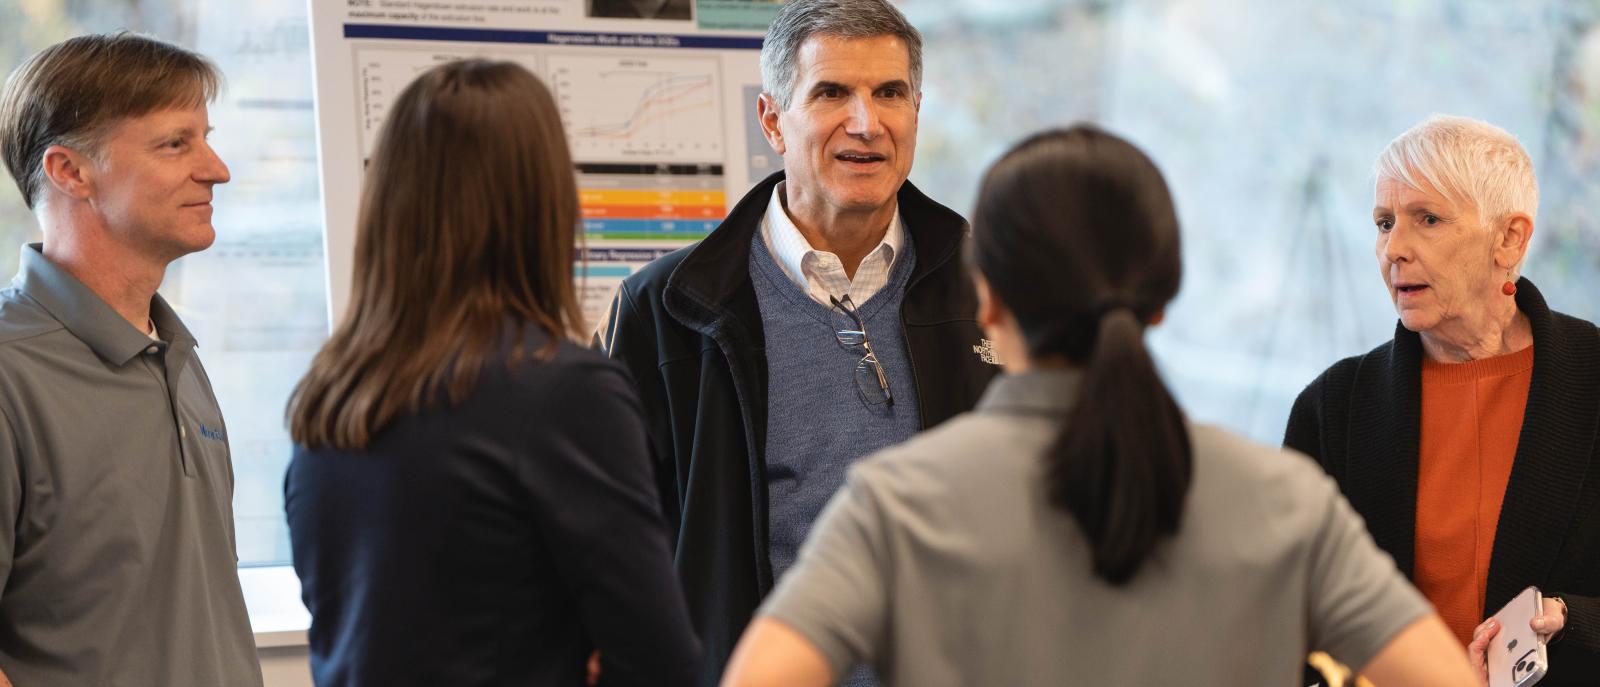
{"x":1076,"y":234}
{"x":1122,"y":464}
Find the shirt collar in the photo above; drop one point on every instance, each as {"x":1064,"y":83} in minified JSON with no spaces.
{"x":89,"y":317}
{"x":790,"y":247}
{"x":1040,"y":390}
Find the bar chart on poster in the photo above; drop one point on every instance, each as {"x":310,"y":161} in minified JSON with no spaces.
{"x":659,"y":112}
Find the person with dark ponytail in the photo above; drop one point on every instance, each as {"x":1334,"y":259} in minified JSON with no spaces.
{"x":1075,"y":526}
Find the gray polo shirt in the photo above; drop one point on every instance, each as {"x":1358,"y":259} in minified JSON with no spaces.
{"x":942,"y":562}
{"x":117,"y":552}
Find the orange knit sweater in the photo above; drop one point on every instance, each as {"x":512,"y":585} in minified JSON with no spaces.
{"x":1471,"y":420}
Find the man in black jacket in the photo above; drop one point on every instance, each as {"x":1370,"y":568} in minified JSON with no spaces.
{"x":829,"y":315}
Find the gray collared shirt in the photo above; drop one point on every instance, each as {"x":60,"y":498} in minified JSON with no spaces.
{"x":117,"y":551}
{"x":943,"y":562}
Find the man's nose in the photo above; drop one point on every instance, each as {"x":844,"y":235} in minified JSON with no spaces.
{"x":864,"y":121}
{"x":211,"y":169}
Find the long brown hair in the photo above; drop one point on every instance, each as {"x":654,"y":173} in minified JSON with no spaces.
{"x":468,"y":219}
{"x":1075,"y":232}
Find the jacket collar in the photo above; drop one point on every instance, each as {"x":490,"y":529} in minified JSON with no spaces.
{"x":1553,"y":449}
{"x":1381,"y":476}
{"x":707,"y":286}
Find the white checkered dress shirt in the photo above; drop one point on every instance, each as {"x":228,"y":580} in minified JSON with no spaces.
{"x":819,"y":272}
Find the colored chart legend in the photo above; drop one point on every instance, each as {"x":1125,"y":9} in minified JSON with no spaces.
{"x":645,"y":201}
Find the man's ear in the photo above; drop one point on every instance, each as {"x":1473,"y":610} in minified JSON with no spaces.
{"x":68,"y":171}
{"x":1513,"y":240}
{"x":767,"y":113}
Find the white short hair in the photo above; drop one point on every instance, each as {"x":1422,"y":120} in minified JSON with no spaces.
{"x":1467,"y":161}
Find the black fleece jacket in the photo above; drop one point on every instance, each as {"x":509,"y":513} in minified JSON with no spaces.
{"x":688,"y":328}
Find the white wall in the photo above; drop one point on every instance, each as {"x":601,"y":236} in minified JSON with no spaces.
{"x":285,"y":666}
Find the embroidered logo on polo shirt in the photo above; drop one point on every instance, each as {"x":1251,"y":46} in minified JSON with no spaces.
{"x":212,"y":434}
{"x":985,"y":351}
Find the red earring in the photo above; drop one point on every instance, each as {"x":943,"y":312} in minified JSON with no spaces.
{"x":1509,"y":288}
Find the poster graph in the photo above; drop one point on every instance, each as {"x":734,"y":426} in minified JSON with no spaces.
{"x":382,"y":73}
{"x":656,"y":114}
{"x":640,"y":108}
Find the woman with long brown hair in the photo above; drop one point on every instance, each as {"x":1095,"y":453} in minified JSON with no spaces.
{"x":470,"y":500}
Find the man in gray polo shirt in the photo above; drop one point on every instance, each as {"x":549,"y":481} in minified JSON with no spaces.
{"x":117,"y":551}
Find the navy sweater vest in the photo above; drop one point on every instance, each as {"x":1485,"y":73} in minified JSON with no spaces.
{"x":817,"y":422}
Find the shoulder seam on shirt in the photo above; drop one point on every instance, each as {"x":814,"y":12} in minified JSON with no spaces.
{"x":33,"y":302}
{"x":58,"y":327}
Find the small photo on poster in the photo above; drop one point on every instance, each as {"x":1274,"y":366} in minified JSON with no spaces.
{"x":638,"y":9}
{"x":737,"y":15}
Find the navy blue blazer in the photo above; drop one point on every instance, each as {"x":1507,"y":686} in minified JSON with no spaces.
{"x":494,"y":542}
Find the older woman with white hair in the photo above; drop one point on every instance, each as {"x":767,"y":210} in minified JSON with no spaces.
{"x":1468,"y":442}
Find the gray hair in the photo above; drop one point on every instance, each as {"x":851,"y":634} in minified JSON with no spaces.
{"x":799,"y":20}
{"x":1467,"y":161}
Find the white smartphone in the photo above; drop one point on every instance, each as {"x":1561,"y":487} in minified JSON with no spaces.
{"x":1516,"y":655}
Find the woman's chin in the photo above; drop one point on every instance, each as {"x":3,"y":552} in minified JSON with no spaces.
{"x":1417,"y":321}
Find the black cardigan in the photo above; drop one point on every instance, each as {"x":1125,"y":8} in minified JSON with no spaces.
{"x":1361,"y":421}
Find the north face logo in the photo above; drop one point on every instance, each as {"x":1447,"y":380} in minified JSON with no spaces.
{"x":985,"y":351}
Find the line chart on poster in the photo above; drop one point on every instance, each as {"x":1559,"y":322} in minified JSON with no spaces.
{"x":381,"y":75}
{"x":639,"y":108}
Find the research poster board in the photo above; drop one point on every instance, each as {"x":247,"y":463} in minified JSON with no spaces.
{"x":657,"y":96}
